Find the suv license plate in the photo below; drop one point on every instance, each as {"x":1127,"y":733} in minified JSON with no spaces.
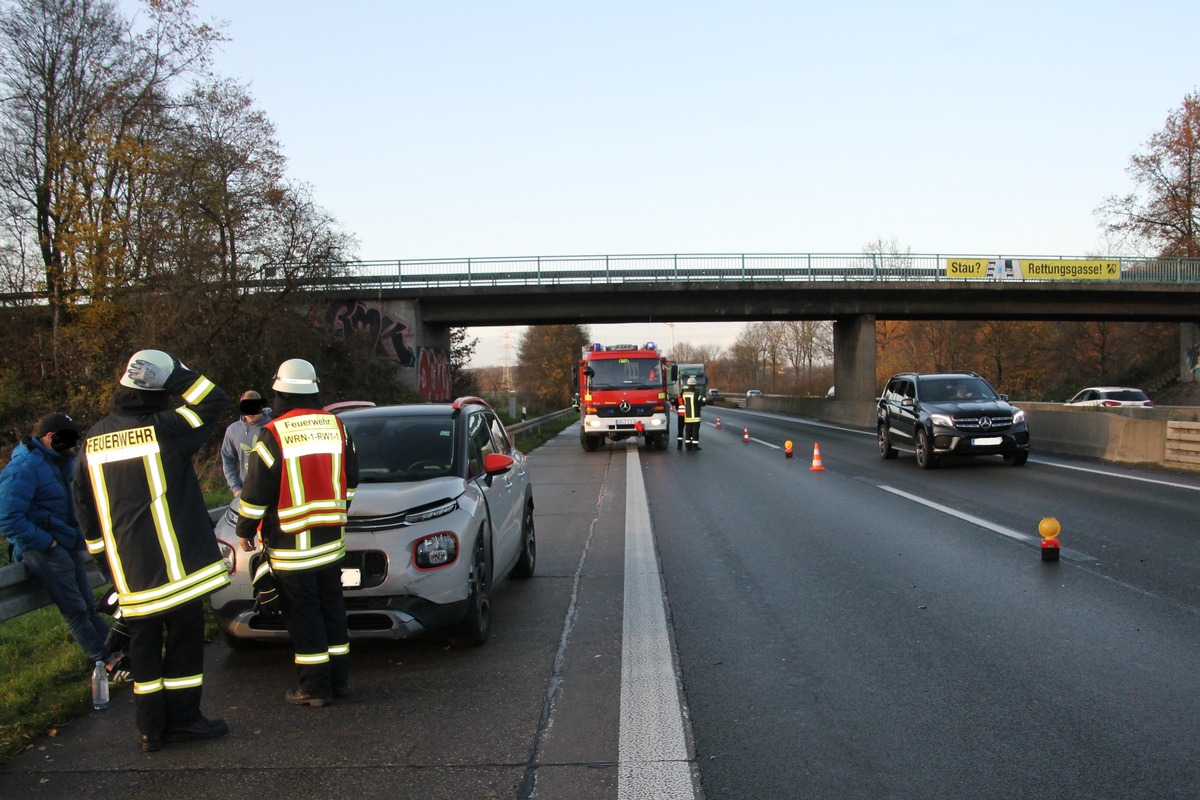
{"x":987,"y":440}
{"x":351,"y":578}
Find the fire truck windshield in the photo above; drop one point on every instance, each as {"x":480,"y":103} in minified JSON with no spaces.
{"x":626,"y":373}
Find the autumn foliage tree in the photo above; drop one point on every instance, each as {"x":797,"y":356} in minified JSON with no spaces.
{"x":1165,"y":210}
{"x":144,"y":202}
{"x":546,"y":359}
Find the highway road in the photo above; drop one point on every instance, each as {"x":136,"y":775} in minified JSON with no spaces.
{"x":868,"y":630}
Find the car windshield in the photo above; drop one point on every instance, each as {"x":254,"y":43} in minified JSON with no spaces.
{"x":951,"y":390}
{"x":397,"y":449}
{"x":1127,"y":394}
{"x":626,"y":373}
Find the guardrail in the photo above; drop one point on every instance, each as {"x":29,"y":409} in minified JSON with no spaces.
{"x":20,"y":594}
{"x":767,"y":267}
{"x":535,"y":425}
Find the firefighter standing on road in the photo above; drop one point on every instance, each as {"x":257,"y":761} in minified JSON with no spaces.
{"x":145,"y":521}
{"x":680,"y":422}
{"x":302,"y":476}
{"x":691,"y":415}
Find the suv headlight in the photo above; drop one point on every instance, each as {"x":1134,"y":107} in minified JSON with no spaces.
{"x":941,"y":419}
{"x":1018,"y":416}
{"x":438,"y":550}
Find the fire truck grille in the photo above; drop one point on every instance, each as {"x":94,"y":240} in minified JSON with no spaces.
{"x":614,"y":412}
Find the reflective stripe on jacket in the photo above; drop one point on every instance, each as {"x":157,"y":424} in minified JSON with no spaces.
{"x":301,"y":479}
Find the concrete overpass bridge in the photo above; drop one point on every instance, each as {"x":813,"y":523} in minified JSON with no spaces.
{"x":410,"y":305}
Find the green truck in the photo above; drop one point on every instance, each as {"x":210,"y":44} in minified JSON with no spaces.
{"x":681,"y":373}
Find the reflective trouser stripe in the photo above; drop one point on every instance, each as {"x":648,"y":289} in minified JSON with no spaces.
{"x":313,"y":658}
{"x":189,"y":682}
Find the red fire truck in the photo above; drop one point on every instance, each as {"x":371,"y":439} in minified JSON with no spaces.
{"x":622,"y":393}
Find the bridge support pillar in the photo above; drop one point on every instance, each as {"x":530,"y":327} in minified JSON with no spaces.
{"x":854,"y":357}
{"x":1189,"y":352}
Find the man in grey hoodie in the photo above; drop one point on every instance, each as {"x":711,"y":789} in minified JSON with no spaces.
{"x":240,"y":437}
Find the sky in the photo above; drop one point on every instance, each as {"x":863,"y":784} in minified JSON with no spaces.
{"x":518,"y":128}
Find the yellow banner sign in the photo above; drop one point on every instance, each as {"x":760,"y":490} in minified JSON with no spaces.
{"x":1054,"y":269}
{"x":1032,"y":269}
{"x":966,"y":267}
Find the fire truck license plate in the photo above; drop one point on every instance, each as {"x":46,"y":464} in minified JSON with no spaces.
{"x":352,"y":578}
{"x":624,"y":422}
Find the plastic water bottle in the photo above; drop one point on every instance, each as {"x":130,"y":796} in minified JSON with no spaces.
{"x":99,"y":687}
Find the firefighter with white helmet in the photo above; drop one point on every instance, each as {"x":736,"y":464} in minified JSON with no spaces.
{"x":142,"y":513}
{"x":691,"y":402}
{"x":299,"y":483}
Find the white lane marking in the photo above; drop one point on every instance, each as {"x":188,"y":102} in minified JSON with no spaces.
{"x":1067,"y":553}
{"x":1171,"y":484}
{"x":983,"y":523}
{"x":653,"y":753}
{"x":760,"y":441}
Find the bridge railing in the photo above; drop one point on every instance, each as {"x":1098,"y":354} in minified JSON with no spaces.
{"x":743,"y":267}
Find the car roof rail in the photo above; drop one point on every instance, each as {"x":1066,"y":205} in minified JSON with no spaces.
{"x":458,"y":404}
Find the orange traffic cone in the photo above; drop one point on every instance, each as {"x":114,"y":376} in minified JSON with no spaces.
{"x":816,"y":465}
{"x":745,"y":433}
{"x":718,"y":423}
{"x":787,"y":449}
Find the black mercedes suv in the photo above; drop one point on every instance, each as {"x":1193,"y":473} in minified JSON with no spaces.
{"x":949,"y":414}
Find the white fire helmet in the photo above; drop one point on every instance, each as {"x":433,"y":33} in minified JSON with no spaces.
{"x":151,"y":361}
{"x":295,"y":376}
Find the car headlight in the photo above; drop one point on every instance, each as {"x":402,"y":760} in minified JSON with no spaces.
{"x":229,"y":556}
{"x":1018,"y":416}
{"x":431,"y":513}
{"x":941,"y":419}
{"x":438,"y":550}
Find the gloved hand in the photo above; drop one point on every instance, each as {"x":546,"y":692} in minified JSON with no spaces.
{"x":146,"y":375}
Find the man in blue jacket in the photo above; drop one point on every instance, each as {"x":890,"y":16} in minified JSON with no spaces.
{"x":37,"y":516}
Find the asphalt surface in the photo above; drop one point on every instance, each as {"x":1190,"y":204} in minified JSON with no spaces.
{"x":868,"y":630}
{"x":532,"y":711}
{"x":840,"y":639}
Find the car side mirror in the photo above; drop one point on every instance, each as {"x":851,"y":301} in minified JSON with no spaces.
{"x":907,"y":402}
{"x":1004,"y":397}
{"x":497,"y":463}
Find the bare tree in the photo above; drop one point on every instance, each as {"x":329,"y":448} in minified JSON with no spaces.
{"x":807,"y":343}
{"x":83,"y":106}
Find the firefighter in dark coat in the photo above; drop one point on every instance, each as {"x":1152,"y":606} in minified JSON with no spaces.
{"x":691,"y":415}
{"x":145,"y":522}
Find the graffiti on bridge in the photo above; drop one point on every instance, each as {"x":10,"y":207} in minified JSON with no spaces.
{"x":433,"y":374}
{"x":390,"y":337}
